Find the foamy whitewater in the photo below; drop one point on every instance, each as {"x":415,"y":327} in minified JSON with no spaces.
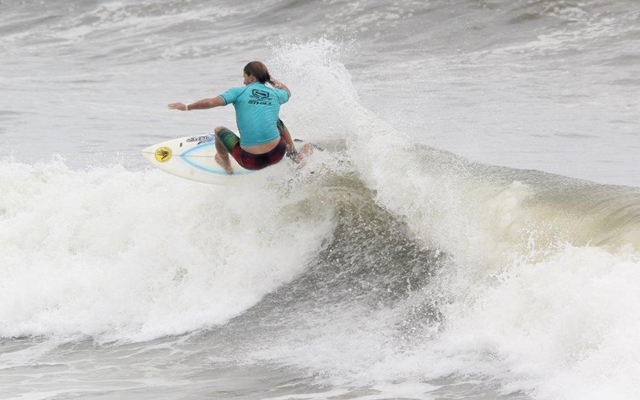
{"x":472,"y":230}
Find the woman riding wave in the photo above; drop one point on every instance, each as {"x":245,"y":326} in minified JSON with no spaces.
{"x":264,"y":139}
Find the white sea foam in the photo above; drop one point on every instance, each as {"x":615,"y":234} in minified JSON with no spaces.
{"x":536,"y":296}
{"x":138,"y":255}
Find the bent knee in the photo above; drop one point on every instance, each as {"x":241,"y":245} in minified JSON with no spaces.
{"x":219,"y":128}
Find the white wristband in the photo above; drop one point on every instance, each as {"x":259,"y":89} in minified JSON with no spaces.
{"x":186,"y":107}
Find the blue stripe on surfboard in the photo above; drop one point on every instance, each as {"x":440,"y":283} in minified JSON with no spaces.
{"x":185,"y":157}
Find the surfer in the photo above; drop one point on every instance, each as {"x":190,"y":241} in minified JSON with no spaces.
{"x":264,"y":139}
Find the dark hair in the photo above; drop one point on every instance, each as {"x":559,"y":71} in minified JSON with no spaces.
{"x":258,"y":70}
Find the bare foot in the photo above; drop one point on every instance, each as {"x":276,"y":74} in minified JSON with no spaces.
{"x":226,"y":165}
{"x":305,"y":152}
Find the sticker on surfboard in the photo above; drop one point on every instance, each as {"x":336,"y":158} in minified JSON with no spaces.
{"x":163,"y":154}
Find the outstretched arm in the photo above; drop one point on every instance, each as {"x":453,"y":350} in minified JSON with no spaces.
{"x":198,"y":105}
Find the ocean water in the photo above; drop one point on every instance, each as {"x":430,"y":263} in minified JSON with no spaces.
{"x":472,"y":230}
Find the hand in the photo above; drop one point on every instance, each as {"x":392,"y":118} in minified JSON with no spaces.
{"x":291,"y":148}
{"x":178,"y":106}
{"x":277,"y":84}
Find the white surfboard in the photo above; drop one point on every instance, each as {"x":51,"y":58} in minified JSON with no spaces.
{"x":192,"y":157}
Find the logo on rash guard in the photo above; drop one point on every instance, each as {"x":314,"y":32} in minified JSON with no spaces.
{"x":260,"y":97}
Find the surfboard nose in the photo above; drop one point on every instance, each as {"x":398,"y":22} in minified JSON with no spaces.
{"x":149,"y":153}
{"x":157,"y":154}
